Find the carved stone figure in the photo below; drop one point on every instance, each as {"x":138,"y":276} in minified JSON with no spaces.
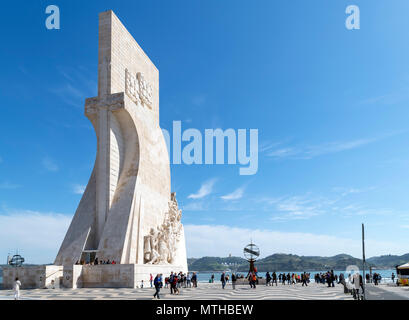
{"x":151,"y":247}
{"x":164,"y":241}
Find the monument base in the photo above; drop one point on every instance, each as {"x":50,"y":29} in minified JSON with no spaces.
{"x":32,"y":277}
{"x":86,"y":276}
{"x":113,"y":275}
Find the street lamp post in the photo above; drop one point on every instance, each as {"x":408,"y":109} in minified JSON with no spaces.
{"x":363,"y":262}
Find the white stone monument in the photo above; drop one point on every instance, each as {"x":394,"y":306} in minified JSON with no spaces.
{"x":127,"y":213}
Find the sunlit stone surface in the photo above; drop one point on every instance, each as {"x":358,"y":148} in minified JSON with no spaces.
{"x":127,"y":213}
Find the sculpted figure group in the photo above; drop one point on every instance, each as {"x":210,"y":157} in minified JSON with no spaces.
{"x":161,"y":243}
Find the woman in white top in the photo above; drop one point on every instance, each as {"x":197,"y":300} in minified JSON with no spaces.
{"x":17,"y":285}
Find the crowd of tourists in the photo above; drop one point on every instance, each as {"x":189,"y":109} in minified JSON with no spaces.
{"x":175,"y":281}
{"x":376,"y":278}
{"x":328,"y":278}
{"x":96,"y":262}
{"x":288,"y":278}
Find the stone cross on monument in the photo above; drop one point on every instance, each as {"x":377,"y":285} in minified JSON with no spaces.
{"x":127,"y":213}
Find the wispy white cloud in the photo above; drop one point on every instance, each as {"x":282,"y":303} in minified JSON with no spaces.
{"x":194,"y":206}
{"x":339,"y":202}
{"x":9,"y":186}
{"x":36,"y":235}
{"x":309,"y":152}
{"x":78,"y":189}
{"x":312,"y":151}
{"x":205,"y":190}
{"x":78,"y":84}
{"x":49,"y":164}
{"x":268,"y":145}
{"x":387,"y":98}
{"x":300,"y":207}
{"x":205,"y":240}
{"x":235,"y":195}
{"x":346,"y":191}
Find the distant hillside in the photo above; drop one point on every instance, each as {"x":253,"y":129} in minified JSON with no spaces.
{"x":276,"y":262}
{"x":291,"y":262}
{"x":214,"y":263}
{"x":389,"y":261}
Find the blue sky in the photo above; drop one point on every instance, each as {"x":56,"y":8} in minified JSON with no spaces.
{"x":330,"y":104}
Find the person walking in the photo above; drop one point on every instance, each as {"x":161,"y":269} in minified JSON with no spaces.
{"x":184,"y":281}
{"x":356,"y":281}
{"x":175,"y":284}
{"x":250,"y":279}
{"x":223,"y":280}
{"x":393,"y":277}
{"x":254,"y":279}
{"x":151,"y":279}
{"x":194,"y":280}
{"x":212,"y":278}
{"x":375,"y":278}
{"x":328,"y":276}
{"x":268,"y":278}
{"x":332,"y":278}
{"x":304,"y":279}
{"x":188,"y":280}
{"x":158,"y":284}
{"x":17,"y":285}
{"x":233,"y":281}
{"x":274,"y":278}
{"x":171,"y":282}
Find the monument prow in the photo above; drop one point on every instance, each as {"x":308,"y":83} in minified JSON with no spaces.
{"x":127,"y":213}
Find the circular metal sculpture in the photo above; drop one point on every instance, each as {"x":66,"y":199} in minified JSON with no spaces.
{"x":251,"y":253}
{"x":16,"y":261}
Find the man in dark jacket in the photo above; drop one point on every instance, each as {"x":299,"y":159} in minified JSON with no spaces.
{"x":223,"y":280}
{"x":268,"y":278}
{"x":274,"y":278}
{"x":158,"y":284}
{"x":233,"y":280}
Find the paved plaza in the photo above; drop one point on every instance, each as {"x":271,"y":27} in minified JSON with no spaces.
{"x":202,"y":292}
{"x":387,"y":292}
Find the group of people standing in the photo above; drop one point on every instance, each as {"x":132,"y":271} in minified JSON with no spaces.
{"x":288,"y":278}
{"x":175,"y":282}
{"x":96,"y":262}
{"x":376,"y":277}
{"x":224,"y":278}
{"x":328,"y":277}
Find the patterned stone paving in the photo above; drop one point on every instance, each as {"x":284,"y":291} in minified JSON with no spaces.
{"x":204,"y":291}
